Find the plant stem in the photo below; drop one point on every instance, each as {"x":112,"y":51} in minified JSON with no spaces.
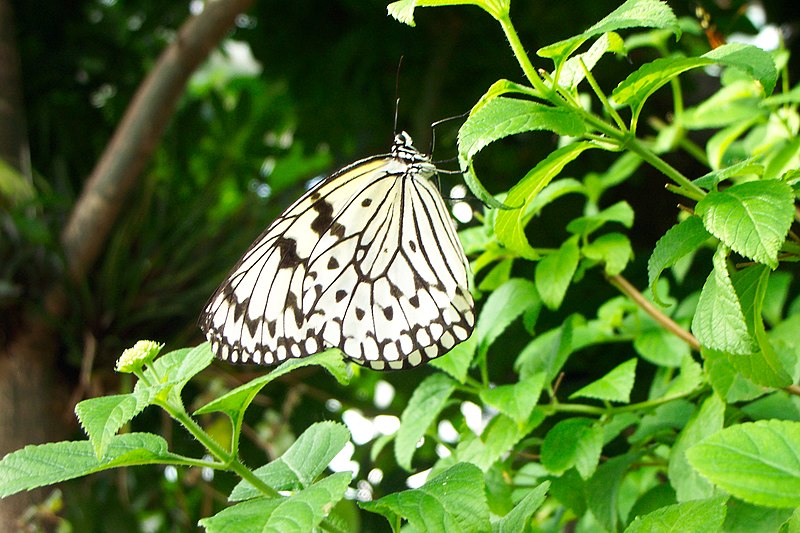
{"x":521,"y":55}
{"x":670,"y":325}
{"x":689,"y":189}
{"x":231,"y":462}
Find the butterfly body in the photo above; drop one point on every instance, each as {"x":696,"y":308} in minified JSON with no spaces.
{"x":367,"y":261}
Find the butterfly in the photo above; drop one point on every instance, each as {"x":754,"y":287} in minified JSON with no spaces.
{"x":367,"y":261}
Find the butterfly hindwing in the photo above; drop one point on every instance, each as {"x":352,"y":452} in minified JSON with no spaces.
{"x":367,"y":261}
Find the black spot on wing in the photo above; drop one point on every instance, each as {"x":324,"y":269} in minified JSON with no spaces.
{"x":288,"y":250}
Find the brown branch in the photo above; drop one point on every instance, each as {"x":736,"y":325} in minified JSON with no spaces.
{"x":138,"y":133}
{"x":670,"y":325}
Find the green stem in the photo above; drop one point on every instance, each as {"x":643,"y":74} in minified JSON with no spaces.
{"x":231,"y":462}
{"x":690,"y":190}
{"x":521,"y":55}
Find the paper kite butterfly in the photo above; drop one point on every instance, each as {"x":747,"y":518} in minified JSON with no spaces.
{"x":367,"y":261}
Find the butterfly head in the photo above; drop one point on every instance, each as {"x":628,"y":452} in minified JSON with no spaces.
{"x":403,"y":149}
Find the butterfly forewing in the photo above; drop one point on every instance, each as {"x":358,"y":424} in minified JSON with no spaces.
{"x":368,"y":261}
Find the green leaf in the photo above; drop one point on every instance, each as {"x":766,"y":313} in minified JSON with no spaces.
{"x":719,"y":322}
{"x":45,"y":464}
{"x":177,"y":368}
{"x":235,"y":403}
{"x":554,"y":273}
{"x":501,"y":87}
{"x":509,"y":223}
{"x":548,"y":352}
{"x":497,"y":439}
{"x":297,"y":468}
{"x":455,"y":500}
{"x":306,"y":509}
{"x":757,"y":462}
{"x":757,"y":63}
{"x":502,"y":307}
{"x":517,"y":519}
{"x":752,"y":218}
{"x":619,"y":212}
{"x":637,"y":87}
{"x":517,"y":400}
{"x":457,"y":361}
{"x":615,"y":386}
{"x":612,"y":249}
{"x":572,"y":73}
{"x":631,"y":14}
{"x":602,"y":490}
{"x":698,"y":515}
{"x":679,"y":241}
{"x":102,"y":417}
{"x":660,"y":347}
{"x":299,"y":513}
{"x":502,"y":117}
{"x":690,"y":378}
{"x":423,"y":408}
{"x":573,"y":442}
{"x":706,"y":421}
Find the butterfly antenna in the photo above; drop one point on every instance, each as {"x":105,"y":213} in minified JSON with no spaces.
{"x":442,"y":121}
{"x":397,"y":93}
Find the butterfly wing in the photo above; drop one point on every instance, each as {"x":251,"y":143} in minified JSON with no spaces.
{"x":367,"y":261}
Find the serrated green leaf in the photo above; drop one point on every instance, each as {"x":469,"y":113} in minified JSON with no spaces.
{"x":572,"y":73}
{"x":615,"y":386}
{"x":423,"y":408}
{"x":757,"y":63}
{"x":717,"y":147}
{"x":706,"y":422}
{"x":180,"y":366}
{"x":518,"y":518}
{"x":502,"y":307}
{"x":509,"y":223}
{"x":619,"y":212}
{"x":457,"y":361}
{"x":547,"y":352}
{"x":757,"y":462}
{"x":637,"y":87}
{"x":554,"y":273}
{"x":602,"y":490}
{"x":631,"y":14}
{"x":501,"y":87}
{"x":498,"y":275}
{"x":612,"y":249}
{"x":726,"y":380}
{"x":304,"y":510}
{"x":45,"y":464}
{"x":298,"y":513}
{"x":719,"y":322}
{"x":502,"y":117}
{"x":235,"y":403}
{"x":454,"y":500}
{"x":661,"y":347}
{"x":552,"y":192}
{"x":690,"y":378}
{"x":752,"y":218}
{"x":497,"y":439}
{"x":573,"y":442}
{"x":517,"y":400}
{"x":679,"y":241}
{"x":297,"y":468}
{"x":698,"y":515}
{"x":102,"y":417}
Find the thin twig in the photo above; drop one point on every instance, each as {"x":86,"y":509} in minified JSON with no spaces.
{"x":670,"y":325}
